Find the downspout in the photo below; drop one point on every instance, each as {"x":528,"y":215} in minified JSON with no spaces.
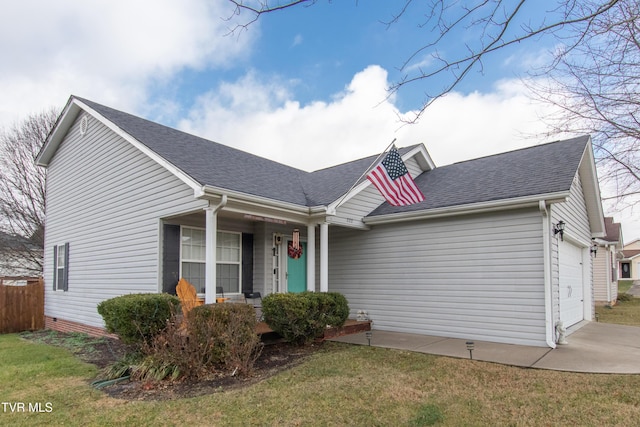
{"x":607,"y":269}
{"x":211,"y":221}
{"x":548,"y":282}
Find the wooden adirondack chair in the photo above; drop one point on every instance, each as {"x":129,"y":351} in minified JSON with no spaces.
{"x":188,"y":296}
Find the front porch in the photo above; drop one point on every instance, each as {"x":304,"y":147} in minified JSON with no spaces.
{"x":226,"y":252}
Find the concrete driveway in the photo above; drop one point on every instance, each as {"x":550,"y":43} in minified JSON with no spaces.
{"x":594,"y":348}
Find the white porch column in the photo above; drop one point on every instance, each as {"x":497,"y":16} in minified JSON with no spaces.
{"x":211,"y":232}
{"x":324,"y":257}
{"x":311,"y":257}
{"x":210,"y":263}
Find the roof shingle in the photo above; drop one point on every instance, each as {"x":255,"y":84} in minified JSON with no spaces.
{"x":541,"y":169}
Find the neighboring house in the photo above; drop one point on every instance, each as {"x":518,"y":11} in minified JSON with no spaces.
{"x":605,"y":263}
{"x":19,"y":256}
{"x":630,"y":261}
{"x":132,"y":206}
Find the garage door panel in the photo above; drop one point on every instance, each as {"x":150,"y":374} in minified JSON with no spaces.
{"x":571,"y":284}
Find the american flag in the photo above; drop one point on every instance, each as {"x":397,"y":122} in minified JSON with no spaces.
{"x":394,"y":182}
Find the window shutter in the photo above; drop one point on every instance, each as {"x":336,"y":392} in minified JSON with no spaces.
{"x":170,"y":258}
{"x":65,"y":285}
{"x":247,"y":262}
{"x":55,"y":267}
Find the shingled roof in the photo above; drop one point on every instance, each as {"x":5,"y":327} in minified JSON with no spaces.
{"x":613,"y":230}
{"x":217,"y":165}
{"x":541,"y":169}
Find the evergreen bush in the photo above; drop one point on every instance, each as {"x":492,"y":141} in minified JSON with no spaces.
{"x":137,"y":318}
{"x":301,"y":318}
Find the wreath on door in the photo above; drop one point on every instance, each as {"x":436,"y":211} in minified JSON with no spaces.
{"x":294,"y":252}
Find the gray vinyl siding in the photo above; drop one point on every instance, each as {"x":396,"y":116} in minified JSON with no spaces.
{"x":574,"y":213}
{"x":473,"y":277}
{"x":601,"y":281}
{"x":105,"y":198}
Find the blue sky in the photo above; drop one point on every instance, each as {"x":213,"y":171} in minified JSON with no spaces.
{"x":305,"y":86}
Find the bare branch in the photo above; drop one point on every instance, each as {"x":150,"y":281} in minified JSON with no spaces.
{"x":22,"y":188}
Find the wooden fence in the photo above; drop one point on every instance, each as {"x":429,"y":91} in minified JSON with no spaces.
{"x":21,"y":304}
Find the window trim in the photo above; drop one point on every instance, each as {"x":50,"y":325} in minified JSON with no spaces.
{"x":191,"y":260}
{"x":61,"y":285}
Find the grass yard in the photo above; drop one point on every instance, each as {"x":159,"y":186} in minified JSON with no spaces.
{"x":624,"y":285}
{"x":338,"y":385}
{"x":625,"y":312}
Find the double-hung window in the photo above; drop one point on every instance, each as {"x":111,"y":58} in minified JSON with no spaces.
{"x":61,"y":267}
{"x":228,"y":259}
{"x":192,"y":257}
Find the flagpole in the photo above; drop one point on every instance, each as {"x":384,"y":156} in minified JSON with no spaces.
{"x":364,"y":173}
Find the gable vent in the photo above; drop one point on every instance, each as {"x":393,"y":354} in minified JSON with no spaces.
{"x":84,"y":125}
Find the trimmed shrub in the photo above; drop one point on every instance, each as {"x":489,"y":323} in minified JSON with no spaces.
{"x":335,"y":308}
{"x":212,"y":338}
{"x":301,"y":318}
{"x":228,"y":333}
{"x":137,"y":318}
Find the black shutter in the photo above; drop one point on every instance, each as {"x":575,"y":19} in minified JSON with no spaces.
{"x":55,"y":268}
{"x":65,"y":279}
{"x":170,"y":258}
{"x":247,"y":262}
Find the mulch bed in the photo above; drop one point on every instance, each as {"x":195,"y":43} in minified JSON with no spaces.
{"x":276,"y":357}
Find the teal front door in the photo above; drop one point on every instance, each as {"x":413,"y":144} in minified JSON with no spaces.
{"x":297,"y":271}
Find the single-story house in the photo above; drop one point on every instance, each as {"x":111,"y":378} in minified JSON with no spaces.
{"x":499,"y":250}
{"x":630,"y":261}
{"x":607,"y":252}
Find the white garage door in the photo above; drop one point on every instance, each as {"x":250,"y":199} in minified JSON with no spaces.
{"x":571,"y":284}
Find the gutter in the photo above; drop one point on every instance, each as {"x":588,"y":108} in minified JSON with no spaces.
{"x":207,"y":192}
{"x":548,"y":282}
{"x":473,"y":208}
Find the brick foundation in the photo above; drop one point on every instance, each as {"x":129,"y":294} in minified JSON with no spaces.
{"x":350,"y":327}
{"x":62,"y":325}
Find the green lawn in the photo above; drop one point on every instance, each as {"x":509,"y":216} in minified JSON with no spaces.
{"x":340,"y":385}
{"x":624,"y":285}
{"x":625,"y":312}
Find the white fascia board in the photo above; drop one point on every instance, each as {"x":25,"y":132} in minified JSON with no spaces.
{"x":347,"y":222}
{"x":57,"y":134}
{"x":179,"y":173}
{"x":515,"y":203}
{"x":248,"y":203}
{"x":591,"y":188}
{"x":69,"y":115}
{"x":424,"y":160}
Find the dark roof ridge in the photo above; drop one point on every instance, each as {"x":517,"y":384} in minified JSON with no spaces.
{"x":402,"y":150}
{"x":531,"y":147}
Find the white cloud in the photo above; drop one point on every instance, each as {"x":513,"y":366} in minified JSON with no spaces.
{"x":261,"y":117}
{"x":104,"y":50}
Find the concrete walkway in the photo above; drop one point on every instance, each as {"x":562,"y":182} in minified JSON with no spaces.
{"x":635,"y":289}
{"x":594,"y":348}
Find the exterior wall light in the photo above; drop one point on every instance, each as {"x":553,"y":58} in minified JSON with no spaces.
{"x":594,"y":248}
{"x":559,"y":228}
